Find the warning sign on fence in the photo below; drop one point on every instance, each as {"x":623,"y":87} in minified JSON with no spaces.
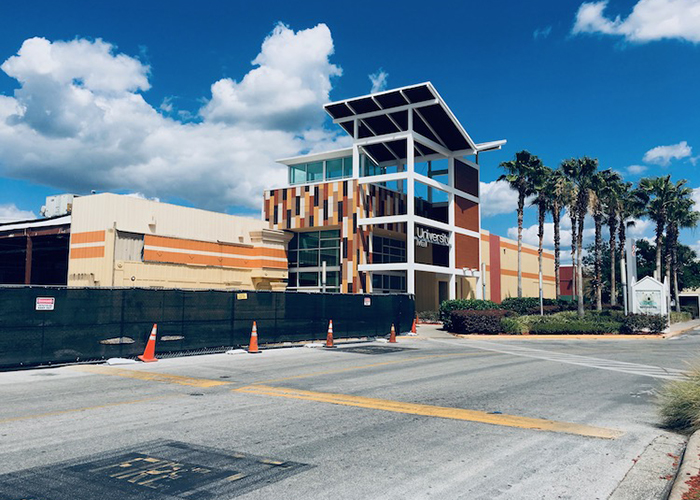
{"x":45,"y":303}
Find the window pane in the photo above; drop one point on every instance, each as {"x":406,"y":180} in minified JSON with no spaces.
{"x":308,"y":279}
{"x":308,"y":240}
{"x":314,"y":171}
{"x":332,"y":278}
{"x":376,"y":281}
{"x":297,"y":173}
{"x":347,"y":167}
{"x":330,"y":234}
{"x":292,"y":281}
{"x":292,"y":257}
{"x":308,"y":258}
{"x":330,"y":243}
{"x":330,"y":256}
{"x":377,"y":244}
{"x":334,"y":168}
{"x":395,"y":282}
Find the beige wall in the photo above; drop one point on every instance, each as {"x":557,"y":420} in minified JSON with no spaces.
{"x":181,"y":247}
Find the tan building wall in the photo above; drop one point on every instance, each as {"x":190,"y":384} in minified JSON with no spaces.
{"x":125,"y":241}
{"x":506,"y":269}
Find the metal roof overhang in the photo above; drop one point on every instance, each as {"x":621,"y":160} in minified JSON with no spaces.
{"x":386,"y":113}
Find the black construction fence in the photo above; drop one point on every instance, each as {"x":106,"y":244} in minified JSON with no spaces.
{"x":51,"y":325}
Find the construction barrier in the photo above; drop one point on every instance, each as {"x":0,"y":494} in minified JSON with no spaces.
{"x":49,"y":325}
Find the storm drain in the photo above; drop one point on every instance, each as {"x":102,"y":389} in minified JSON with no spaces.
{"x":373,"y":349}
{"x":155,"y":471}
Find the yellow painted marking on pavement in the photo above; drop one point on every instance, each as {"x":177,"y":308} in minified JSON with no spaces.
{"x":236,"y":477}
{"x":151,"y":376}
{"x":435,"y":411}
{"x":361,"y":367}
{"x":98,"y":407}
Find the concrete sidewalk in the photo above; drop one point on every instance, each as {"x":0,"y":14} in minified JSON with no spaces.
{"x":679,"y":328}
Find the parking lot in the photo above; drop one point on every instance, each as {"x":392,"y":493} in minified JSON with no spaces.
{"x":431,"y":416}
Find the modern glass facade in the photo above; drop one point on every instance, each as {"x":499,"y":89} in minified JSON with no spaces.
{"x":307,"y":252}
{"x":305,"y":173}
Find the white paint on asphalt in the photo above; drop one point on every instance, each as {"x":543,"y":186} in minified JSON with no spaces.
{"x":573,"y":359}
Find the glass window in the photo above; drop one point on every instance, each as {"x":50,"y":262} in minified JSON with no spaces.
{"x":331,"y":256}
{"x":297,"y":173}
{"x":308,"y":240}
{"x":308,"y":279}
{"x":332,"y":278}
{"x":332,"y":234}
{"x":308,"y":258}
{"x":334,"y":169}
{"x":292,"y":281}
{"x":347,"y":167}
{"x":292,"y":258}
{"x":314,"y":171}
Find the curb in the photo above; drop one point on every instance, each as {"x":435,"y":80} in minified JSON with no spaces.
{"x":652,"y":473}
{"x":690,"y":467}
{"x":616,"y":336}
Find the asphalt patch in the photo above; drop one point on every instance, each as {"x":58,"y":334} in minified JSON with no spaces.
{"x":158,"y":470}
{"x":373,"y":349}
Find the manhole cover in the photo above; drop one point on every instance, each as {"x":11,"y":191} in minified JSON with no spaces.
{"x":153,"y":471}
{"x":374,"y":349}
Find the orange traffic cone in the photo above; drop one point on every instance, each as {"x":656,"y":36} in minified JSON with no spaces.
{"x":253,"y":347}
{"x":149,"y":353}
{"x":329,"y":337}
{"x":392,"y":337}
{"x":413,"y":328}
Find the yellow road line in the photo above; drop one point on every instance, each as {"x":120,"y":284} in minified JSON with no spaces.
{"x":151,"y":376}
{"x":435,"y":411}
{"x":384,"y":363}
{"x":98,"y":407}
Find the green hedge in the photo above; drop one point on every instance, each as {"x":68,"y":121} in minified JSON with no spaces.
{"x":587,"y":327}
{"x":448,"y":306}
{"x":643,"y":323}
{"x":487,"y":321}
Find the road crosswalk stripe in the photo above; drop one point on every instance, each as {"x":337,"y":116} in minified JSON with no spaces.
{"x":574,"y":359}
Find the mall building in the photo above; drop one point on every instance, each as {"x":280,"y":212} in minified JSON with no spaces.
{"x":398,"y":211}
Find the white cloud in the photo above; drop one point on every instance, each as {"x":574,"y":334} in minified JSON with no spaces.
{"x":636,"y":169}
{"x":649,"y":20}
{"x":78,"y":122}
{"x":696,"y":198}
{"x":497,"y":198}
{"x":286,"y":90}
{"x":542,"y":32}
{"x":10,"y":212}
{"x":641,"y":229}
{"x":379,"y":80}
{"x":662,"y":155}
{"x":531,"y":238}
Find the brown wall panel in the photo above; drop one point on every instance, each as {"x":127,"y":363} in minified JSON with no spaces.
{"x":466,"y":214}
{"x":467,"y":250}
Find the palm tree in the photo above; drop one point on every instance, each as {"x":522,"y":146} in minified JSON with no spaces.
{"x":580,"y":172}
{"x":560,"y":194}
{"x":519,"y":174}
{"x":681,"y":214}
{"x":632,"y":205}
{"x":659,"y":194}
{"x":612,"y":202}
{"x":571,"y":209}
{"x":541,"y":179}
{"x":601,"y":186}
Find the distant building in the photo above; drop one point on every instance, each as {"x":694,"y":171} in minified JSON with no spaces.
{"x":122,"y":241}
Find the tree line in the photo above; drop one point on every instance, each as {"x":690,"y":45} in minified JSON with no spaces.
{"x":578,"y":188}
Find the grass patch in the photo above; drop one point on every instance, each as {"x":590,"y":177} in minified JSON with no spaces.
{"x":679,"y":402}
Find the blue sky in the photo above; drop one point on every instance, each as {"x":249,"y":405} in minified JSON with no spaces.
{"x":166,"y":104}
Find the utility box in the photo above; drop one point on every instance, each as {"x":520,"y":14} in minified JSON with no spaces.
{"x":650,"y":296}
{"x":57,"y":205}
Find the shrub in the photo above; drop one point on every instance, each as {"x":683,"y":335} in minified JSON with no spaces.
{"x":679,"y":317}
{"x":557,"y":326}
{"x":642,"y":323}
{"x":475,"y":321}
{"x":512,"y":326}
{"x":463,"y":305}
{"x":679,"y":402}
{"x":429,"y":316}
{"x":689,"y":309}
{"x":528,"y":305}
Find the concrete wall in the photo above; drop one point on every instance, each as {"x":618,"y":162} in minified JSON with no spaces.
{"x":125,"y":241}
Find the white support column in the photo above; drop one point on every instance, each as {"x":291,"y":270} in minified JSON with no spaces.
{"x":452,"y":289}
{"x":410,"y":210}
{"x":481,"y":289}
{"x":355,"y":153}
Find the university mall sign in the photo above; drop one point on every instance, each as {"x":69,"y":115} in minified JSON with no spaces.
{"x":426,"y":236}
